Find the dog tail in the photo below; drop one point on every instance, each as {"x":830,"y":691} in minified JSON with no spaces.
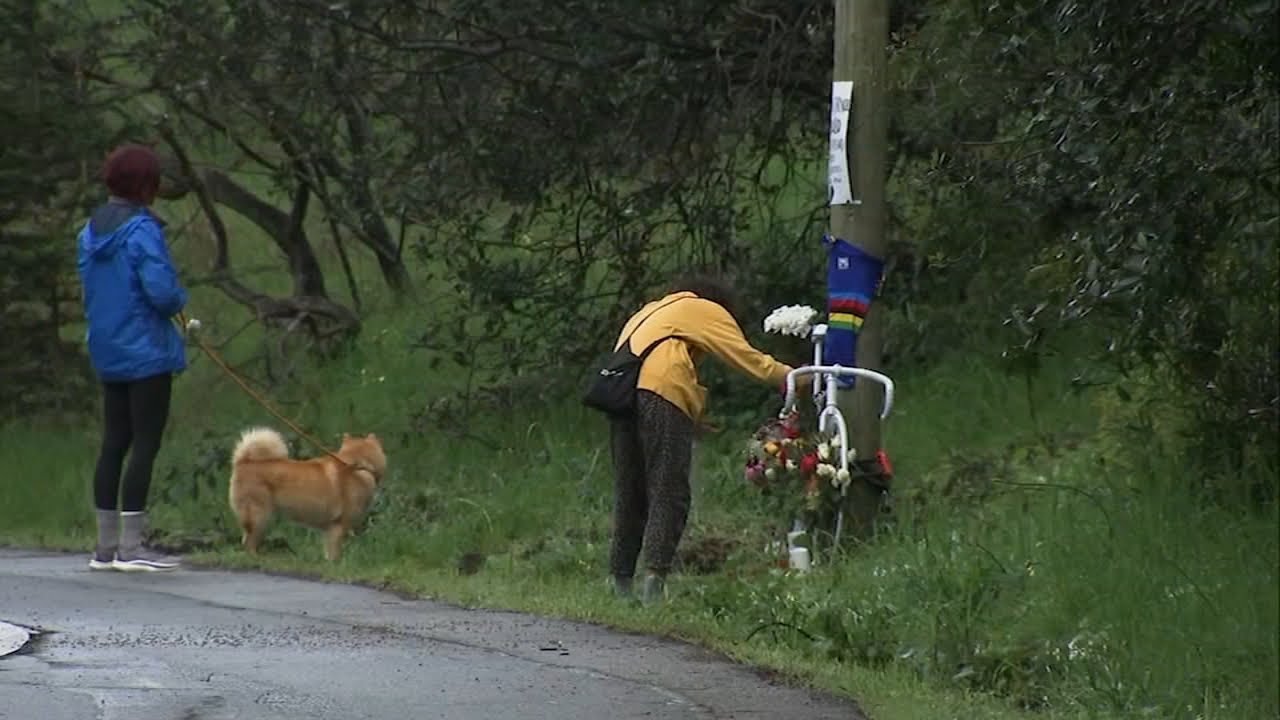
{"x":260,"y":443}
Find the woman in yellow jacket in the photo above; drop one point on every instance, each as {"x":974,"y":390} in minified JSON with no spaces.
{"x":653,"y":448}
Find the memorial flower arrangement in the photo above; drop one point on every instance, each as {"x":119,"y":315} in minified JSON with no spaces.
{"x":799,"y":471}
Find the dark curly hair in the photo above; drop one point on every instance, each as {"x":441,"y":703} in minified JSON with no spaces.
{"x":716,"y":287}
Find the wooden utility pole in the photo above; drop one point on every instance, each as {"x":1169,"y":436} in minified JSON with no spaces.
{"x":861,"y":39}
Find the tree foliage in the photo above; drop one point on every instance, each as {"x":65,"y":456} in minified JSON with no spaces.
{"x":542,"y":166}
{"x":550,"y":161}
{"x":1136,"y":156}
{"x":54,"y":126}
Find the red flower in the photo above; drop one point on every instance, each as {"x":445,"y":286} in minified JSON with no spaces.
{"x":809,"y":463}
{"x":886,"y":467}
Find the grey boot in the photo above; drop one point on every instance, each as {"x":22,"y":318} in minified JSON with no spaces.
{"x":655,"y":588}
{"x":132,"y":556}
{"x":622,"y":586}
{"x":104,"y":553}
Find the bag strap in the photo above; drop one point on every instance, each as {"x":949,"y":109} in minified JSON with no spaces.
{"x":653,"y":345}
{"x":627,"y":340}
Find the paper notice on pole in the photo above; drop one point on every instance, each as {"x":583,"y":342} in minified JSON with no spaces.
{"x":839,"y":187}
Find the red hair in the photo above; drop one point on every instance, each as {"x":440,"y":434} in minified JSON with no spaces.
{"x":132,"y":172}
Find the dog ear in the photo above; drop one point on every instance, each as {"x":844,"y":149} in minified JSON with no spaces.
{"x":346,"y":437}
{"x":372,"y":436}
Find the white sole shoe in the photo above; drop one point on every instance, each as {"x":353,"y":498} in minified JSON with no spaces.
{"x":142,"y":566}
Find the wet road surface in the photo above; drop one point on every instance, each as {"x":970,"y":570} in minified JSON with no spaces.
{"x":214,"y":645}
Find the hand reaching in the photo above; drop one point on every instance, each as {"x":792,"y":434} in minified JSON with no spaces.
{"x":803,"y":384}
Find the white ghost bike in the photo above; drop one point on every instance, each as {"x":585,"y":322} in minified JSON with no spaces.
{"x":831,"y":422}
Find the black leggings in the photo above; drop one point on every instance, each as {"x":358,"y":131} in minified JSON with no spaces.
{"x":134,"y":416}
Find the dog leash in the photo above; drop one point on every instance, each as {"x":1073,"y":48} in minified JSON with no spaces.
{"x":184,"y":324}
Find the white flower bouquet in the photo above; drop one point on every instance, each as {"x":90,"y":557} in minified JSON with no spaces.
{"x":794,"y":320}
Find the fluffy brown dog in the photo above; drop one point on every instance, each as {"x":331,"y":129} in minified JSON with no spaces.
{"x":327,"y":493}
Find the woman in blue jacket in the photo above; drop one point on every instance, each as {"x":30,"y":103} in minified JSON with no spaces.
{"x":131,"y":292}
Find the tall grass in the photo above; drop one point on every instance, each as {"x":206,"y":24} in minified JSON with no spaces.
{"x":1021,"y":577}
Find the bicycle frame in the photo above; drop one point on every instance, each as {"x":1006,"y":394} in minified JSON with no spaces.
{"x":825,"y":398}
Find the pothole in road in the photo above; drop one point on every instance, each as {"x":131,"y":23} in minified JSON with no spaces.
{"x":17,"y":638}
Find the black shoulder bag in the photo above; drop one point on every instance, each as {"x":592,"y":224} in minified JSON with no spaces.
{"x":612,"y":390}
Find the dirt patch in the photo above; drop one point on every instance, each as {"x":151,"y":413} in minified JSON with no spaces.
{"x":705,"y":555}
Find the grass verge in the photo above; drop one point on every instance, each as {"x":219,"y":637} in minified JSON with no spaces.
{"x":1022,"y":578}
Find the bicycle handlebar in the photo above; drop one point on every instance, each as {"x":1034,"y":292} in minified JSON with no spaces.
{"x":839,"y":371}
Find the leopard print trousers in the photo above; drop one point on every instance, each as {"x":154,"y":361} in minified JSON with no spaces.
{"x":652,"y":456}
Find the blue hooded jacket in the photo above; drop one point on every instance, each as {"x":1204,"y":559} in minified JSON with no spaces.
{"x":131,"y":290}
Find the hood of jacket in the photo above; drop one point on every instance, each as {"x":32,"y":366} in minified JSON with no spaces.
{"x":105,"y":234}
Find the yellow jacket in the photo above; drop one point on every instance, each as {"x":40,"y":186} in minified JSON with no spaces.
{"x":700,"y":327}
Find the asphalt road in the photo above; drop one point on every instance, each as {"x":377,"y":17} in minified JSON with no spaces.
{"x":214,"y":645}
